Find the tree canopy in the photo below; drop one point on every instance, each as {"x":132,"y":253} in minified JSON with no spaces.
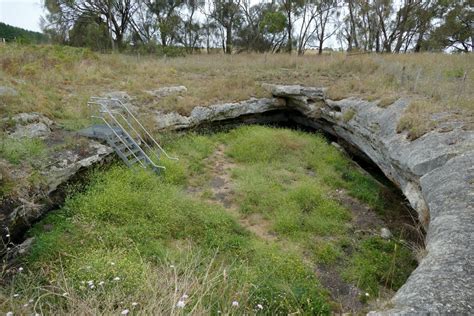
{"x":267,"y":26}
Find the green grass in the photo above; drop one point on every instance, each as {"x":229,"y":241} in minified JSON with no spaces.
{"x":18,"y":150}
{"x":379,"y":261}
{"x":163,"y":243}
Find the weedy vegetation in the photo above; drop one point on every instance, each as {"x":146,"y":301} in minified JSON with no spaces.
{"x":132,"y":242}
{"x":58,"y":81}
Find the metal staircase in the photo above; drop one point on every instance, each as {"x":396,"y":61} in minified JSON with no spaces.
{"x":125,"y":134}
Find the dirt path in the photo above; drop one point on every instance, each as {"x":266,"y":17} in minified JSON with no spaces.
{"x":223,"y":193}
{"x":346,"y":296}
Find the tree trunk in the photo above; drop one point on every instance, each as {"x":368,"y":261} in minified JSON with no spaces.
{"x":353,"y":28}
{"x":290,"y":30}
{"x":228,"y":43}
{"x":110,"y":25}
{"x":377,"y":42}
{"x":321,"y":40}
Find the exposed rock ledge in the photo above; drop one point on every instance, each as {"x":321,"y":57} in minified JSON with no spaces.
{"x":435,"y":172}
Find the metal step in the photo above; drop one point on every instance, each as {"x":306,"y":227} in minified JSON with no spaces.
{"x":136,"y":152}
{"x":139,"y":158}
{"x":123,"y":132}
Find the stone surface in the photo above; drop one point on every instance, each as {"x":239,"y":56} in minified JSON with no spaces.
{"x":39,"y":130}
{"x":28,"y":203}
{"x":166,"y":91}
{"x":29,"y":125}
{"x":435,"y":172}
{"x":385,"y":233}
{"x":7,"y":91}
{"x":218,"y":112}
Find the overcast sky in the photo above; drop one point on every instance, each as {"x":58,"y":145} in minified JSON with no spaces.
{"x":22,"y":13}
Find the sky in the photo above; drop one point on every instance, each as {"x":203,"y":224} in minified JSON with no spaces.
{"x":22,"y":13}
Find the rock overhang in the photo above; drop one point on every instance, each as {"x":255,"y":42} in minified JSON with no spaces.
{"x":434,"y":172}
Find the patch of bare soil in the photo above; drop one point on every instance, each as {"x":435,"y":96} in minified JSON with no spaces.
{"x":222,"y":188}
{"x":346,"y":296}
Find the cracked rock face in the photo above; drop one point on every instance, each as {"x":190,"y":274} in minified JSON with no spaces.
{"x":219,"y":112}
{"x":21,"y":209}
{"x":435,"y":172}
{"x":29,"y":125}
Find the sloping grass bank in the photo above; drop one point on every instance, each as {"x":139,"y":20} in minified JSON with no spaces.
{"x":58,"y":80}
{"x":134,"y":241}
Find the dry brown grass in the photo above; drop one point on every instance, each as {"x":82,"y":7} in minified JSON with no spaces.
{"x":200,"y":281}
{"x":58,"y":81}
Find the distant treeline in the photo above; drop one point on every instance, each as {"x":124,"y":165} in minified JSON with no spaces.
{"x":386,"y":26}
{"x":12,"y":33}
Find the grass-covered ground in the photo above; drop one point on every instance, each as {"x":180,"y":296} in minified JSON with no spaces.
{"x":245,"y":222}
{"x":58,"y":81}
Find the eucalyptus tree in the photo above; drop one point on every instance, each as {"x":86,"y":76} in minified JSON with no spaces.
{"x":262,"y":27}
{"x":292,"y":9}
{"x":456,"y":31}
{"x":227,"y":13}
{"x":63,"y":14}
{"x":192,"y":29}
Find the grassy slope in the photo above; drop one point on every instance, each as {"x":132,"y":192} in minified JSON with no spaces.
{"x":59,"y":80}
{"x":163,"y":243}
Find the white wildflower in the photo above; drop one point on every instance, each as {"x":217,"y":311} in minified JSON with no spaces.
{"x":31,"y":301}
{"x":92,"y":286}
{"x":185,"y":296}
{"x":172,"y":266}
{"x":180,"y":304}
{"x":25,"y":305}
{"x":134,"y":304}
{"x":20,"y":269}
{"x":235,"y":304}
{"x":116,"y":279}
{"x":65,"y":294}
{"x":90,"y":282}
{"x":101,"y":283}
{"x":9,"y":314}
{"x":16,"y":295}
{"x":367,"y":294}
{"x":124,"y":312}
{"x":259,"y":306}
{"x":7,"y":235}
{"x":112,"y":263}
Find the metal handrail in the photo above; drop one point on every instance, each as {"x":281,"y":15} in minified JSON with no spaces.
{"x":139,"y":136}
{"x":106,"y":110}
{"x":120,"y":138}
{"x":138,"y":122}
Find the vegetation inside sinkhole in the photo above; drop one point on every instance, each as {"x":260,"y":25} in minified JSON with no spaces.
{"x":170,"y":244}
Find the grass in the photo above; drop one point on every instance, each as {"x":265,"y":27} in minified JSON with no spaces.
{"x":163,"y":243}
{"x":18,"y":150}
{"x":379,"y":261}
{"x":57,"y":81}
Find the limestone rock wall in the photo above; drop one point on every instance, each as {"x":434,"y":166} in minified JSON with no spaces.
{"x":435,"y":173}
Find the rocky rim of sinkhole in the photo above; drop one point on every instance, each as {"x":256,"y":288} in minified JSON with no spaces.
{"x":435,"y":173}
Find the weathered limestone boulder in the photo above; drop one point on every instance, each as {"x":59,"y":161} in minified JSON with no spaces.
{"x":219,"y":112}
{"x":28,"y":203}
{"x":435,"y":172}
{"x":7,"y":91}
{"x":167,"y":91}
{"x":29,"y":125}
